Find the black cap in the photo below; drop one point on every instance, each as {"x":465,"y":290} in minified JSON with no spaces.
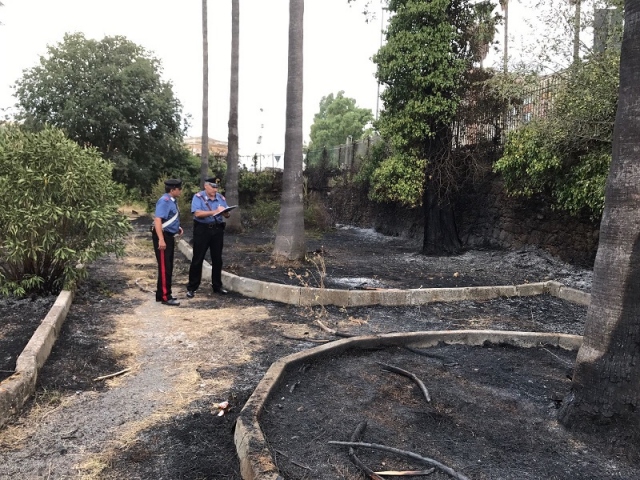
{"x":213,"y":181}
{"x":173,"y":183}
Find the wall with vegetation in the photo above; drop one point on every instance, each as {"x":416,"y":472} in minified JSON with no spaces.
{"x":486,"y":218}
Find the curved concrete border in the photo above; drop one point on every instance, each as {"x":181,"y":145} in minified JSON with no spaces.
{"x":255,"y":459}
{"x":15,"y":390}
{"x":308,"y":296}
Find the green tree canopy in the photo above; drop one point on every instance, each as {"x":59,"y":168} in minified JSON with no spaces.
{"x":422,"y":65}
{"x":337,"y":119}
{"x":108,"y":94}
{"x":59,"y":210}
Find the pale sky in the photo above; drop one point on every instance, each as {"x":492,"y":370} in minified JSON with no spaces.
{"x":338,"y":45}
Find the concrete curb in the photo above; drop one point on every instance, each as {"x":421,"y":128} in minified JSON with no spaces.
{"x":255,"y":459}
{"x":15,"y":390}
{"x":309,"y":296}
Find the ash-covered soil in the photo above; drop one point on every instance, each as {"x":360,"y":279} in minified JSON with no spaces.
{"x":19,"y":318}
{"x":159,"y":419}
{"x":356,"y":258}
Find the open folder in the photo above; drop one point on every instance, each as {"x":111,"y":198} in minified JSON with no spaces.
{"x":228,"y":209}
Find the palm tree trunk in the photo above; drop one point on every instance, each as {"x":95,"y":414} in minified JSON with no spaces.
{"x":505,"y":53}
{"x":576,"y":32}
{"x":204,"y":153}
{"x":290,"y":242}
{"x":234,"y":222}
{"x":606,"y":380}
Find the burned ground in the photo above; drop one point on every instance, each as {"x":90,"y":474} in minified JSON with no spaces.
{"x":492,"y":413}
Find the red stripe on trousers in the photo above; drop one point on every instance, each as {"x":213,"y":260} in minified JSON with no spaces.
{"x":163,"y":276}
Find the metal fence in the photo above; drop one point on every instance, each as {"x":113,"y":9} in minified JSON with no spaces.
{"x":534,"y":102}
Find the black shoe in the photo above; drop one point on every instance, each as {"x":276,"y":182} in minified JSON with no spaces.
{"x":190,"y":294}
{"x":172,"y":302}
{"x":220,"y":290}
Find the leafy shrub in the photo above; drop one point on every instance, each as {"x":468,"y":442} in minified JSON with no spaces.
{"x":252,"y":185}
{"x":59,"y":211}
{"x":316,"y":216}
{"x":263,"y":213}
{"x":566,"y":155}
{"x":529,"y":164}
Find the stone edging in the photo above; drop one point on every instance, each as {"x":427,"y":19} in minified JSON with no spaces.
{"x":15,"y":390}
{"x":255,"y":459}
{"x":308,"y":296}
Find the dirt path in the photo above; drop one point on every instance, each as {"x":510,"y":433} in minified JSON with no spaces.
{"x":77,"y":427}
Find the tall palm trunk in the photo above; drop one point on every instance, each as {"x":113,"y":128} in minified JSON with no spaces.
{"x":204,"y":153}
{"x":505,"y":53}
{"x":234,"y":222}
{"x":576,"y":31}
{"x":606,"y":380}
{"x":290,"y":242}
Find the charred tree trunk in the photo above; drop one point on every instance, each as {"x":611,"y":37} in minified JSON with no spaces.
{"x":440,"y":231}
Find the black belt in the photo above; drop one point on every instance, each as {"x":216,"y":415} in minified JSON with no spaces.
{"x":211,"y":225}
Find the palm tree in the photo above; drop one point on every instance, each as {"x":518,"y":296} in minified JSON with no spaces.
{"x":290,"y":242}
{"x":576,"y":30}
{"x":606,"y":380}
{"x":234,"y":222}
{"x":505,"y":53}
{"x":483,"y":31}
{"x":204,"y":153}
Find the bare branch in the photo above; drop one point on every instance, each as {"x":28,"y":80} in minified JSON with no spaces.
{"x":449,"y":471}
{"x":400,"y":371}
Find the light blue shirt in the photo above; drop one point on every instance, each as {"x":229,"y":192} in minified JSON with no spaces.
{"x":202,"y":202}
{"x":166,"y":209}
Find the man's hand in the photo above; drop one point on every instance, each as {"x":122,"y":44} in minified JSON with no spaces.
{"x":162,"y":244}
{"x":180,"y":232}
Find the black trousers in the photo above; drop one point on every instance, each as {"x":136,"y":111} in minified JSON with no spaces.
{"x":165,"y":266}
{"x":211,"y":239}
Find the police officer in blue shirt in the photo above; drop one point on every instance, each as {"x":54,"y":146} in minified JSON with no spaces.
{"x":208,"y":234}
{"x":166,"y":225}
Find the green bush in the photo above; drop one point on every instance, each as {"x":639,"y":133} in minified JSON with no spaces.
{"x":565,"y":156}
{"x":252,"y":185}
{"x":59,"y":211}
{"x":263,"y":213}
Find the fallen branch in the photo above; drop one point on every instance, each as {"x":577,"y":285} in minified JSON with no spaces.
{"x":144,"y":289}
{"x":446,"y":361}
{"x":293,"y":461}
{"x":407,"y":473}
{"x":111,"y":375}
{"x":561,"y":360}
{"x":332,"y":331}
{"x":449,"y":471}
{"x":355,"y":437}
{"x":303,"y":339}
{"x":69,"y":435}
{"x":400,"y":371}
